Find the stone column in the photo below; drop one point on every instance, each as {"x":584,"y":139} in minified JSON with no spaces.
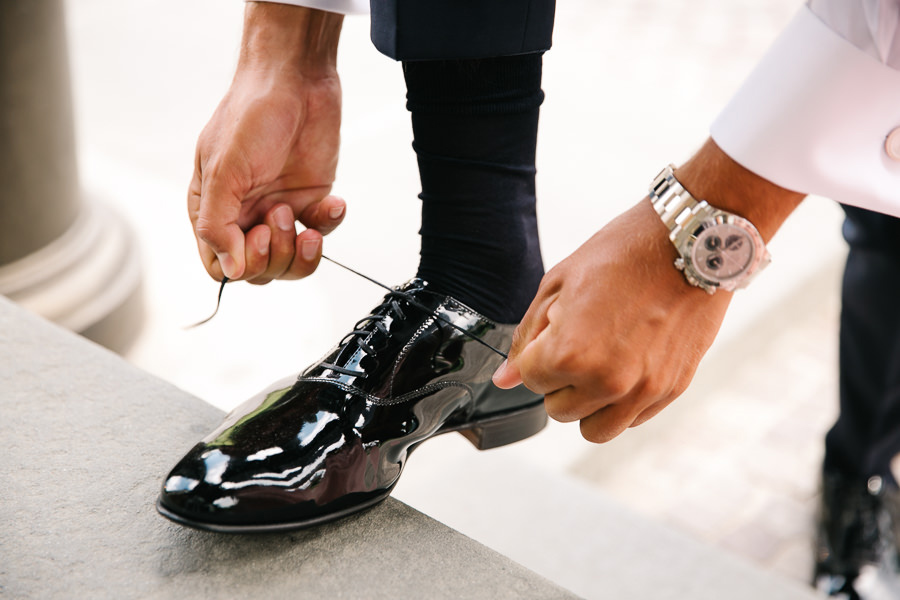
{"x":70,"y":260}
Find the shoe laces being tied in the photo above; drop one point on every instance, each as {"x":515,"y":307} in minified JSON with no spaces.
{"x":391,"y":309}
{"x":410,"y":299}
{"x":392,"y":302}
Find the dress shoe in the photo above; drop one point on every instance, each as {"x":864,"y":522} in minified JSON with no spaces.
{"x":334,"y":440}
{"x":850,"y":534}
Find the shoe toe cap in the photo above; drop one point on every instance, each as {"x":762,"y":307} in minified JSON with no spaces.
{"x":193,"y":491}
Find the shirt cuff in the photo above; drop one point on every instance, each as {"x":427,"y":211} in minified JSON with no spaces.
{"x":344,"y":7}
{"x":814,"y":117}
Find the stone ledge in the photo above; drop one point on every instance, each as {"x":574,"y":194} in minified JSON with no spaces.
{"x":87,"y":440}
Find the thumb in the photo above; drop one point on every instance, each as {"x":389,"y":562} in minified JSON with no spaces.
{"x":216,"y":227}
{"x":507,"y":375}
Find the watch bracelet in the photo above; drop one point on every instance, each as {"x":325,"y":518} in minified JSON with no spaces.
{"x":670,"y":201}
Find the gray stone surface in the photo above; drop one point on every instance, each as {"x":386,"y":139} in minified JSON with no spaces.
{"x":86,"y":441}
{"x":593,"y":544}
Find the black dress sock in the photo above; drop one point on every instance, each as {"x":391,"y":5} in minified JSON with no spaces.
{"x":475,"y":129}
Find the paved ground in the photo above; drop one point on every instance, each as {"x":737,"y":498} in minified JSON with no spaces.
{"x":736,"y":462}
{"x":631,"y":85}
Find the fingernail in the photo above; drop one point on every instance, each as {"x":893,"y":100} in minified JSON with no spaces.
{"x":336,"y":212}
{"x":500,"y":370}
{"x":284,"y":218}
{"x":227,"y":265}
{"x":309,"y":249}
{"x":262,"y":244}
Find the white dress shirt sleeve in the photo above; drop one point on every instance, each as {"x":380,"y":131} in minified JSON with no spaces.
{"x":820,"y":114}
{"x":344,"y":7}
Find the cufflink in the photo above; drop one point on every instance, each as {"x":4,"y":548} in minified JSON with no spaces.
{"x":892,"y":144}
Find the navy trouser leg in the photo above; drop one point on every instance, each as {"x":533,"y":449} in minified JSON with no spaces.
{"x":867,"y":433}
{"x":454,"y":29}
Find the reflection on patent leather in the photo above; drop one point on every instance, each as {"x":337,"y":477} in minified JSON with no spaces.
{"x":334,"y":440}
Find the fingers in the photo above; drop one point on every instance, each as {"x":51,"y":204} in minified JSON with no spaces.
{"x":307,"y":253}
{"x":324,"y":216}
{"x":508,"y":374}
{"x":279,"y":253}
{"x":604,"y":417}
{"x":271,"y":250}
{"x":545,"y":365}
{"x":650,"y":412}
{"x":288,"y":255}
{"x":284,"y":229}
{"x":256,"y":247}
{"x":607,"y":423}
{"x":611,"y":421}
{"x":275,"y":251}
{"x":534,"y":321}
{"x":546,"y":356}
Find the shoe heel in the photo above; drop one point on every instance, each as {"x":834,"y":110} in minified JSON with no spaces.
{"x":506,"y":428}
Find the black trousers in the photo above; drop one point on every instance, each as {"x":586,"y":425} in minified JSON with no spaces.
{"x":461,"y":29}
{"x":867,"y":433}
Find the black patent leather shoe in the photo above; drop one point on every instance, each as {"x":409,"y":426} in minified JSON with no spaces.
{"x":334,"y":440}
{"x":849,"y":534}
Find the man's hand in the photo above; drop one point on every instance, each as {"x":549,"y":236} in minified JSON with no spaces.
{"x":269,"y":154}
{"x":615,"y":332}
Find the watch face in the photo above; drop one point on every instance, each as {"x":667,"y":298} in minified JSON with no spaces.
{"x":722,"y":251}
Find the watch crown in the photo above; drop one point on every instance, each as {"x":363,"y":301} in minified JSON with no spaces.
{"x":679,"y":263}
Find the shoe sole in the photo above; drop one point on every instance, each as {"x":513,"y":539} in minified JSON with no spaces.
{"x":490,"y":432}
{"x":270,"y":527}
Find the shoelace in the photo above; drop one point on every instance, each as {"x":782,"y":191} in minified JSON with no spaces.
{"x":358,"y":332}
{"x":394,"y":309}
{"x":218,"y":304}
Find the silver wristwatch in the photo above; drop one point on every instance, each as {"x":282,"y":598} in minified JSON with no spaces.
{"x":717,"y":249}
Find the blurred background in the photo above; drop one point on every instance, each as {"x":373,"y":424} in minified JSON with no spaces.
{"x":631,"y":85}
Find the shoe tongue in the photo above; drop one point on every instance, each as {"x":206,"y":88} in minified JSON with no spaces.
{"x":421,"y":298}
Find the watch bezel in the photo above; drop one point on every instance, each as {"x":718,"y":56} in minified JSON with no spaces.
{"x":758,"y":259}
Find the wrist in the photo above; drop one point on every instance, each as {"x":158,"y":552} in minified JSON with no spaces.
{"x":713,"y":176}
{"x":293,"y":38}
